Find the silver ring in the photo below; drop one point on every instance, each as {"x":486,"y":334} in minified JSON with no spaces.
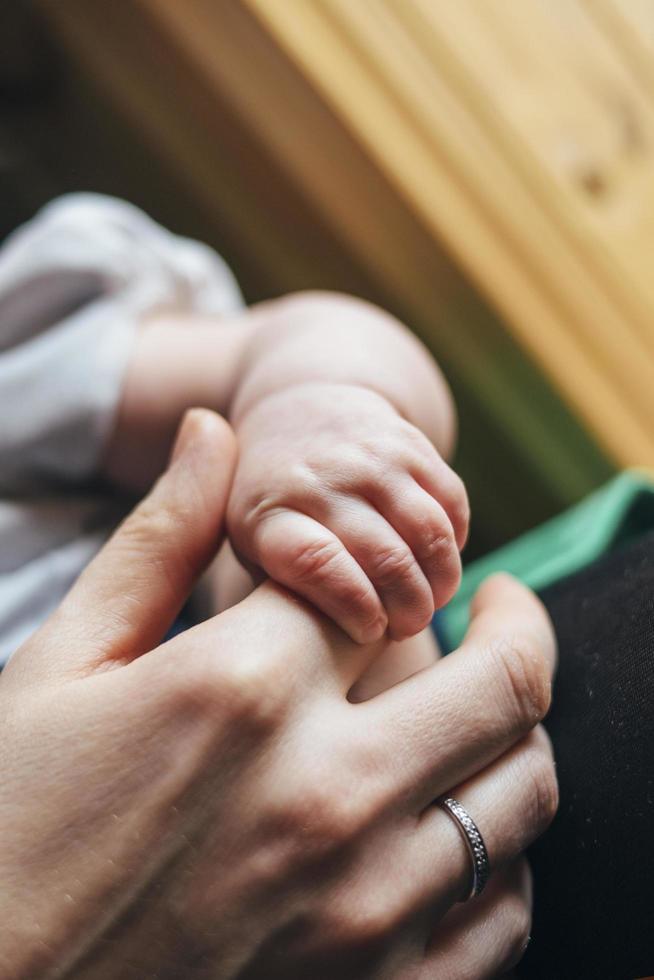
{"x":474,"y":842}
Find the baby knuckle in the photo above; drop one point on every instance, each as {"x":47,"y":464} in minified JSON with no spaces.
{"x":459,"y":508}
{"x":420,"y":619}
{"x":438,"y":548}
{"x":369,"y":473}
{"x":391,"y":564}
{"x":413,"y":436}
{"x":413,"y":620}
{"x":436,"y":540}
{"x":312,"y":559}
{"x":304,"y":480}
{"x":248,"y":516}
{"x":360,"y":596}
{"x":371,"y":618}
{"x":524,"y":680}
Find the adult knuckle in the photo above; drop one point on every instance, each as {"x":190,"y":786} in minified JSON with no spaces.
{"x":366,"y":920}
{"x":255,"y":704}
{"x":270,"y":863}
{"x":152,"y":522}
{"x":242,"y":692}
{"x":519,"y":927}
{"x":523,"y":678}
{"x":323,"y":817}
{"x":212,"y":711}
{"x":544,"y":795}
{"x":335,"y":821}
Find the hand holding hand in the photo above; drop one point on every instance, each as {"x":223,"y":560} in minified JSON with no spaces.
{"x":216,"y":807}
{"x":340,"y":499}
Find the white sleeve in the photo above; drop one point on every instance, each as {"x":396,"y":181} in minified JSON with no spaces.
{"x":74,"y":283}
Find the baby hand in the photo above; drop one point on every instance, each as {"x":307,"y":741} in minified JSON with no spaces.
{"x":339,"y":498}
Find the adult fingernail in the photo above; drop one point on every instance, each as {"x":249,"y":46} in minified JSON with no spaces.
{"x":187,"y":434}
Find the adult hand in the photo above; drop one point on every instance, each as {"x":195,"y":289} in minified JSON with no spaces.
{"x":216,"y":807}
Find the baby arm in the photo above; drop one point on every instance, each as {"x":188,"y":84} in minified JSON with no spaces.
{"x":341,"y":492}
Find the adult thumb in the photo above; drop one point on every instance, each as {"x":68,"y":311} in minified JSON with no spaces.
{"x":127,"y":597}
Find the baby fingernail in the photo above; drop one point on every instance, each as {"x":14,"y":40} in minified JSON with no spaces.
{"x":374,"y":631}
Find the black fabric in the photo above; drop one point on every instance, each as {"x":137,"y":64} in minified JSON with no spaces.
{"x":594,"y":869}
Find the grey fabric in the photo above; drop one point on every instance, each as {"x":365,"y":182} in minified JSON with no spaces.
{"x":74,"y":283}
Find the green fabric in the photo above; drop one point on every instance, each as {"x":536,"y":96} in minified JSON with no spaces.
{"x":618,"y":511}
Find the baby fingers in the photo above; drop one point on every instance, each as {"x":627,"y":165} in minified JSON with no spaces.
{"x":428,"y":531}
{"x":388,"y":562}
{"x":307,"y":557}
{"x":352,"y":565}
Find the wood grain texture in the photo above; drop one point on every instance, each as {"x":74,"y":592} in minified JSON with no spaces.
{"x":448,"y":160}
{"x":521,"y":135}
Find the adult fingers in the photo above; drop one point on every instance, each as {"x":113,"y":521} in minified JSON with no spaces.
{"x":512,"y":802}
{"x":416,"y":869}
{"x":269,"y":642}
{"x":487,"y":937}
{"x":446,"y":723}
{"x":126,"y":598}
{"x":413,"y":871}
{"x":304,"y":555}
